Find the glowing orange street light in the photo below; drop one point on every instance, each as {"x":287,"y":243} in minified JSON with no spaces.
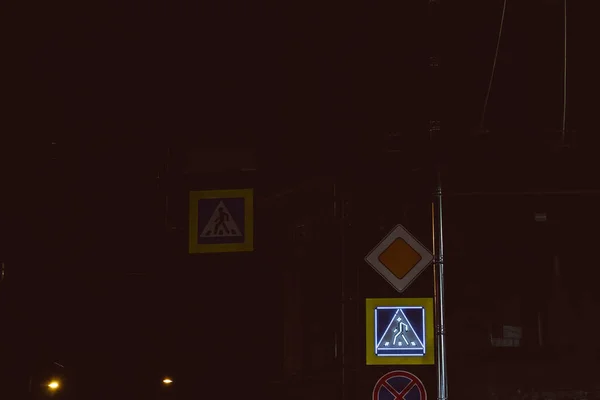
{"x":167,"y":381}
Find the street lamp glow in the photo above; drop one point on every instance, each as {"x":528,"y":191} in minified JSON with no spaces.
{"x":53,"y":385}
{"x":167,"y":381}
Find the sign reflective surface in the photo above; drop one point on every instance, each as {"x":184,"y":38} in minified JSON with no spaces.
{"x":399,"y":331}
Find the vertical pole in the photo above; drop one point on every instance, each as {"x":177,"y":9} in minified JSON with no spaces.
{"x":438,"y":246}
{"x":540,"y":329}
{"x":564,"y":116}
{"x":435,"y":35}
{"x":338,"y":212}
{"x":166,"y":192}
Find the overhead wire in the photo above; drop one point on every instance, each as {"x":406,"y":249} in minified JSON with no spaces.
{"x":487,"y":95}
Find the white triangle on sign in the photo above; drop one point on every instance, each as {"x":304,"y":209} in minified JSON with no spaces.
{"x":221,"y":224}
{"x":400,"y":334}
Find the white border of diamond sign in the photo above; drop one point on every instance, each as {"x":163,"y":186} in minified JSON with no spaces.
{"x":399,"y":232}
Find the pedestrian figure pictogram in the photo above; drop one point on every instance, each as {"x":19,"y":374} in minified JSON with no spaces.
{"x":400,"y":336}
{"x":399,"y":331}
{"x":221,"y":221}
{"x":221,"y":224}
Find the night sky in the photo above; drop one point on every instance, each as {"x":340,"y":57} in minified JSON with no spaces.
{"x":98,"y":93}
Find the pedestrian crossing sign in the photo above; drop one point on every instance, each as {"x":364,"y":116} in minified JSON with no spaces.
{"x":400,"y":331}
{"x":221,"y":221}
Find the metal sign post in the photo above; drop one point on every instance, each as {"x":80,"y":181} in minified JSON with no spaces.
{"x":435,"y":34}
{"x":438,"y":250}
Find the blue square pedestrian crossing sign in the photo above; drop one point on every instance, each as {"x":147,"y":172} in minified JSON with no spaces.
{"x":399,"y":331}
{"x":221,"y":221}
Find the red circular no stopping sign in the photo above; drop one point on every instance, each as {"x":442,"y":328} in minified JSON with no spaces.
{"x":399,"y":385}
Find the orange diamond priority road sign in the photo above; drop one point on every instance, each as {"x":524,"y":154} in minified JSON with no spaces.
{"x":399,"y":258}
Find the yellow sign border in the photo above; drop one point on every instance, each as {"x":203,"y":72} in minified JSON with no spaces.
{"x":372,"y":358}
{"x":247,"y":245}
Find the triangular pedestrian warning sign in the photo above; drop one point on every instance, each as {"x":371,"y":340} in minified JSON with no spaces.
{"x":221,"y":224}
{"x":400,"y":335}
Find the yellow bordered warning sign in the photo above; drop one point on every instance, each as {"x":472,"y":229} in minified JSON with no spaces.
{"x":221,"y":221}
{"x":400,"y":331}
